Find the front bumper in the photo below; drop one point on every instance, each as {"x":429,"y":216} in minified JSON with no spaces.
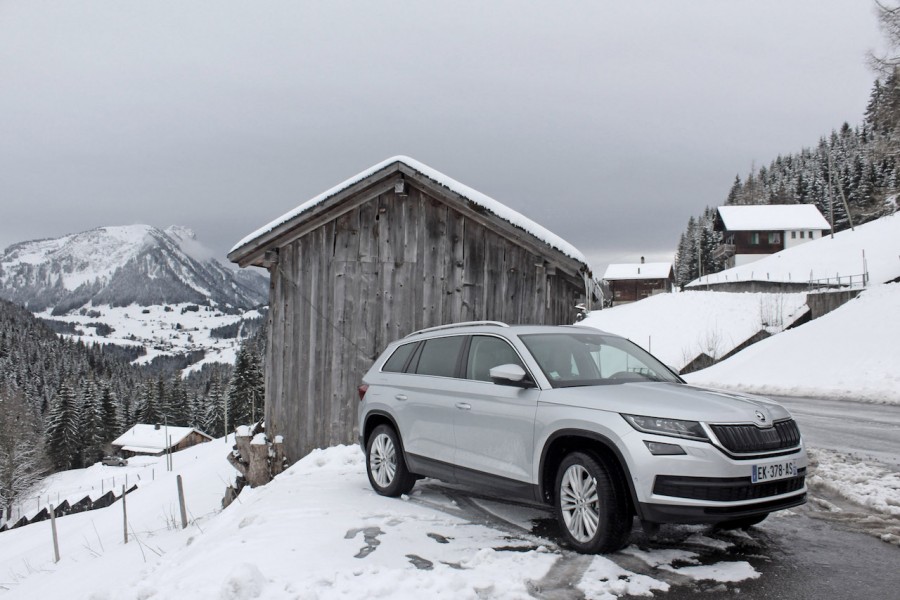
{"x":706,"y":485}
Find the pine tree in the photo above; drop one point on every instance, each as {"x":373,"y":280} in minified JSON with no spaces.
{"x":148,"y":410}
{"x":214,"y":417}
{"x":90,"y":424}
{"x":246,"y":392}
{"x":111,"y":425}
{"x":62,"y":430}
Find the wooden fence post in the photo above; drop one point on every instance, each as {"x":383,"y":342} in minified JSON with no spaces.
{"x":55,"y":538}
{"x":124,"y":515}
{"x":181,"y":503}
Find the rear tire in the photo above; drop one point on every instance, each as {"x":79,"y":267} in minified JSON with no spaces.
{"x":591,"y":505}
{"x":385,"y":465}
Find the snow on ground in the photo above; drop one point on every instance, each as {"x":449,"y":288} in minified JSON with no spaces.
{"x":316,"y":531}
{"x":163,"y":330}
{"x":677,"y":328}
{"x":828,"y":258}
{"x":852,"y":352}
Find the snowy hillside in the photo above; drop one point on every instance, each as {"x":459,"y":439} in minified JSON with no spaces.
{"x":170,"y":330}
{"x":677,"y":328}
{"x":119,"y":266}
{"x":827,"y":258}
{"x":852,"y":352}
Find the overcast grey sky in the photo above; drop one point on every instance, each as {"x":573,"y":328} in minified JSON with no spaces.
{"x":610,"y":123}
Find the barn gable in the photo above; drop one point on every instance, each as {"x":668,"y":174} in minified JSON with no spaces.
{"x":395,"y":249}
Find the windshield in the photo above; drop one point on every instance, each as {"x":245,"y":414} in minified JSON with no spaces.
{"x":579,"y":359}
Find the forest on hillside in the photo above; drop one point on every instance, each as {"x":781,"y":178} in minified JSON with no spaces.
{"x":62,"y":402}
{"x":855,"y":168}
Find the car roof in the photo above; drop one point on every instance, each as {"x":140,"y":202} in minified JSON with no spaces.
{"x":472,"y":327}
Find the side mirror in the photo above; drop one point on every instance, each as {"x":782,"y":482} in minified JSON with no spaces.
{"x":511,"y":374}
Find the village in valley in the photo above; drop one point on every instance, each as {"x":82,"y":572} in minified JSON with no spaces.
{"x":181,"y":420}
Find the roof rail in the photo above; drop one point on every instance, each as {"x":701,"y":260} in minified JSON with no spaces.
{"x":454,"y":325}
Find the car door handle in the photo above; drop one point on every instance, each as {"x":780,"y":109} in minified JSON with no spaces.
{"x":400,"y":397}
{"x":463,"y":406}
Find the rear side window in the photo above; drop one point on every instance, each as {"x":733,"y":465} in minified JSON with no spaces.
{"x":399,"y":358}
{"x":439,"y":356}
{"x":487,"y":352}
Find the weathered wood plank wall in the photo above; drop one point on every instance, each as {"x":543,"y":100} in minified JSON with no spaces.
{"x":390,"y":266}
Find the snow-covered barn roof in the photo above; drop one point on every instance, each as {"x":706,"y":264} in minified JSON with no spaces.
{"x":265,"y":234}
{"x":772,"y":217}
{"x":147,"y":439}
{"x":615,"y":272}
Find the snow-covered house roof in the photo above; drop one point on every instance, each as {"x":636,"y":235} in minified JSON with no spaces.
{"x":616,"y":272}
{"x":147,"y":439}
{"x":772,"y":217}
{"x":249,"y":248}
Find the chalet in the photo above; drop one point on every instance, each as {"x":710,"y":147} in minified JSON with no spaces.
{"x":629,"y":282}
{"x":394,"y":249}
{"x":154,"y":440}
{"x":754,"y":231}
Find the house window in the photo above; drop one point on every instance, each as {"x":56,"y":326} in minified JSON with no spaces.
{"x":793,"y":235}
{"x":810,"y":235}
{"x":801,"y":234}
{"x":754,"y":239}
{"x":775,"y":237}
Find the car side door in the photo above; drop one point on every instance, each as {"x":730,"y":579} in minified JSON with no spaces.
{"x":424,"y":403}
{"x":494,"y":424}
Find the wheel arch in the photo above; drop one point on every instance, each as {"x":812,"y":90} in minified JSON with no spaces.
{"x":372,"y":420}
{"x":565,"y":441}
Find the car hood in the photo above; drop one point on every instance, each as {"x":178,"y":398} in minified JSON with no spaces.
{"x":670,"y":400}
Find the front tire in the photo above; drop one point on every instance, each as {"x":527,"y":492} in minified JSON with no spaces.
{"x":385,"y":465}
{"x":591,"y":505}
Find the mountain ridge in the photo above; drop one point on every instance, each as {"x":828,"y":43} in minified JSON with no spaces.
{"x":123,"y":265}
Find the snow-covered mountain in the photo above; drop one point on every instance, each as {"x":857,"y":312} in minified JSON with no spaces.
{"x":120,"y":266}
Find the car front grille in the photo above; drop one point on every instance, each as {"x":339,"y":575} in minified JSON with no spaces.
{"x":743,"y":439}
{"x":730,"y":489}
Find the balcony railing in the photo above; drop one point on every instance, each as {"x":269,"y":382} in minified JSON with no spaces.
{"x":723,"y":251}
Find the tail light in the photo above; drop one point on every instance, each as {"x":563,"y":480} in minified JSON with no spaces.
{"x":362,"y":391}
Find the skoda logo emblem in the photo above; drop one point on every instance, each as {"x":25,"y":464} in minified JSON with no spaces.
{"x":761,"y":417}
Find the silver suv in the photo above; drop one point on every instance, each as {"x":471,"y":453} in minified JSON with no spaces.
{"x":579,"y":419}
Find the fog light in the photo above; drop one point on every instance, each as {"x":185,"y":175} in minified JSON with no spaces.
{"x":661,"y":449}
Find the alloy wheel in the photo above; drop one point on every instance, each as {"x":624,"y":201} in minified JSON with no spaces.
{"x":580,"y":503}
{"x":383,"y":460}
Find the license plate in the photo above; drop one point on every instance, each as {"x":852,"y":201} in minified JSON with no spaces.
{"x":774,"y":471}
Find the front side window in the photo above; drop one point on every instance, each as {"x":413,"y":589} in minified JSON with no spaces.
{"x":487,"y":352}
{"x":754,"y":239}
{"x":775,"y":238}
{"x":581,"y":359}
{"x":439,"y":356}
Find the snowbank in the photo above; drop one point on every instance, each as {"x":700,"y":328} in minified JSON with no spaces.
{"x":319,"y":531}
{"x":852,"y":352}
{"x":677,"y":328}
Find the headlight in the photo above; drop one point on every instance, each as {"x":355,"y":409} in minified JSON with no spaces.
{"x":673,"y":427}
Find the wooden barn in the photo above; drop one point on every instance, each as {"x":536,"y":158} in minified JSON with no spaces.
{"x":396,"y":248}
{"x":155,"y":440}
{"x":630,"y":282}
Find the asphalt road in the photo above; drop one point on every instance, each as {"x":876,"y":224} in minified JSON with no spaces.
{"x":865,"y":430}
{"x":807,"y":553}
